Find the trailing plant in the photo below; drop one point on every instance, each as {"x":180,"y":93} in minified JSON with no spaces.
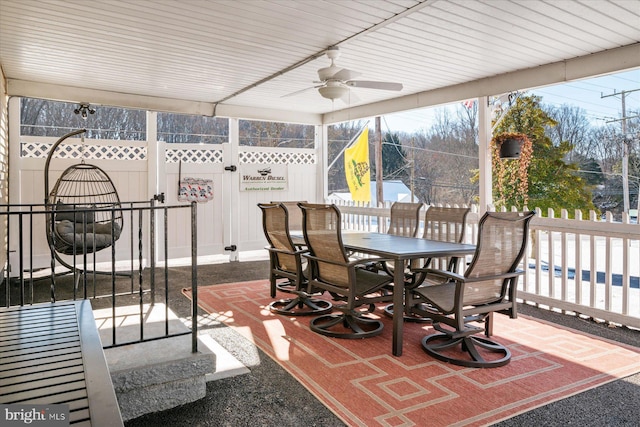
{"x":512,"y":175}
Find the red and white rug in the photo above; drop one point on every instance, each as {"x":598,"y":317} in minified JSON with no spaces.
{"x":365,"y":385}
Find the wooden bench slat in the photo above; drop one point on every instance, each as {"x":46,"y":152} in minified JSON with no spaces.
{"x":38,"y":317}
{"x":69,"y":397}
{"x":51,"y":391}
{"x":42,"y":384}
{"x":7,"y":369}
{"x":31,"y":346}
{"x":36,"y":331}
{"x":40,"y":369}
{"x":79,"y":416}
{"x":41,"y":355}
{"x":29,"y":377}
{"x":34,"y":311}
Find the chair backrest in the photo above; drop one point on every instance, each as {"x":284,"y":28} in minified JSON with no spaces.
{"x":445,"y":224}
{"x":502,"y":241}
{"x":295,"y":214}
{"x":405,"y":219}
{"x":275,"y":223}
{"x":323,"y":236}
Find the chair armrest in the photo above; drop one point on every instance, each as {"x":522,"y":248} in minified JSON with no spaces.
{"x":353,"y":263}
{"x":365,"y":261}
{"x":495,"y":277}
{"x":282,"y":251}
{"x":444,"y":274}
{"x":460,"y":278}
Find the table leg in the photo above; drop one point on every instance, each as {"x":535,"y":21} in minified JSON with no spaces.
{"x":398,"y":306}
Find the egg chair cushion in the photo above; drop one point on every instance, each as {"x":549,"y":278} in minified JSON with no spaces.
{"x":96,"y":236}
{"x":65,"y":212}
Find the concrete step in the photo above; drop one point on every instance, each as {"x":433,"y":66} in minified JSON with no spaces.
{"x":156,"y":375}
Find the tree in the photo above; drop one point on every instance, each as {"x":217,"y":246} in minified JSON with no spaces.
{"x":571,"y":125}
{"x":446,"y":157}
{"x":552,"y":182}
{"x":394,"y":160}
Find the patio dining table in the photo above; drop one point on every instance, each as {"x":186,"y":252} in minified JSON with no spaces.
{"x":399,"y":249}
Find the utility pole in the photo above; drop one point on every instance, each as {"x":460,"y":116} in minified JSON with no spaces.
{"x":625,"y":148}
{"x":413,"y":168}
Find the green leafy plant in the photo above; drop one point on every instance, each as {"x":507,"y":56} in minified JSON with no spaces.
{"x":512,"y":183}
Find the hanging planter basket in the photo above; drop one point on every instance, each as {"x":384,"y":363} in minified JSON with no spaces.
{"x":510,"y":145}
{"x":519,"y":148}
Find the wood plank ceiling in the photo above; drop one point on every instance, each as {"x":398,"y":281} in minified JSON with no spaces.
{"x":246,"y":55}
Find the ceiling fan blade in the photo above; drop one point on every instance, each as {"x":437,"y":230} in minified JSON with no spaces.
{"x":374,"y":85}
{"x":345,"y":74}
{"x":298,"y":92}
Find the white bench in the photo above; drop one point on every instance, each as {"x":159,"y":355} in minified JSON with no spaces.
{"x":51,"y":354}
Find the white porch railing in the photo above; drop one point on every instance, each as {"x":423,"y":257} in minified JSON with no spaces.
{"x":587,"y":267}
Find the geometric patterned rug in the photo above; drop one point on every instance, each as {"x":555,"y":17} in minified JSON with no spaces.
{"x":365,"y":385}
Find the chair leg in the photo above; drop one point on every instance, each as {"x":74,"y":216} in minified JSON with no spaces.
{"x":288,"y":287}
{"x":346,"y":325}
{"x":303,"y":305}
{"x":443,"y":347}
{"x":388,"y":310}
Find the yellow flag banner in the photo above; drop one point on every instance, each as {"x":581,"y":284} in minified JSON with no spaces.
{"x":356,"y":167}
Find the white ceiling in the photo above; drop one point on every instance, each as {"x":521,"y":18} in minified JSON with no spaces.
{"x":239,"y":57}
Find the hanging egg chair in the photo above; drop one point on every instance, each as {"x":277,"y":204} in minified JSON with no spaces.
{"x":83,"y":208}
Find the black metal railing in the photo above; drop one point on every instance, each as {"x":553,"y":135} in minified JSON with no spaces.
{"x":129,"y":269}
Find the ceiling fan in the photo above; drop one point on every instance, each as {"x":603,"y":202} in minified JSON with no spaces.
{"x":334,"y":82}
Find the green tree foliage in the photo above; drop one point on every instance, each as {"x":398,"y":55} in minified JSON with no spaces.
{"x":553,"y":183}
{"x":394,"y":160}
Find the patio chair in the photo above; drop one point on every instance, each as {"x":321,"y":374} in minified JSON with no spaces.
{"x":333,"y":271}
{"x":444,"y":224}
{"x":404,"y":221}
{"x":286,"y":262}
{"x":488,"y":285}
{"x":295,"y":214}
{"x":295,"y":226}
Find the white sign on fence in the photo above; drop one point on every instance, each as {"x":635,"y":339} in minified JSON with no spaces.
{"x":260,"y":177}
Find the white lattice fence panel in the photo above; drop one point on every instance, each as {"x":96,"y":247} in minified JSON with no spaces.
{"x":40,"y":150}
{"x":175,"y":155}
{"x":278,"y":157}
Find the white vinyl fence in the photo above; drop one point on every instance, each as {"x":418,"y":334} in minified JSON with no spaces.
{"x":228,"y":224}
{"x":586,"y":266}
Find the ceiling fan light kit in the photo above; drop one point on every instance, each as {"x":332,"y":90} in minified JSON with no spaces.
{"x":333,"y":92}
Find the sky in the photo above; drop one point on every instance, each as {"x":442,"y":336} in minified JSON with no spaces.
{"x":587,"y":94}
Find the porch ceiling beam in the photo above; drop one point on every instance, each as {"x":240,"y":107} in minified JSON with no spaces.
{"x":610,"y":61}
{"x":100,"y":97}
